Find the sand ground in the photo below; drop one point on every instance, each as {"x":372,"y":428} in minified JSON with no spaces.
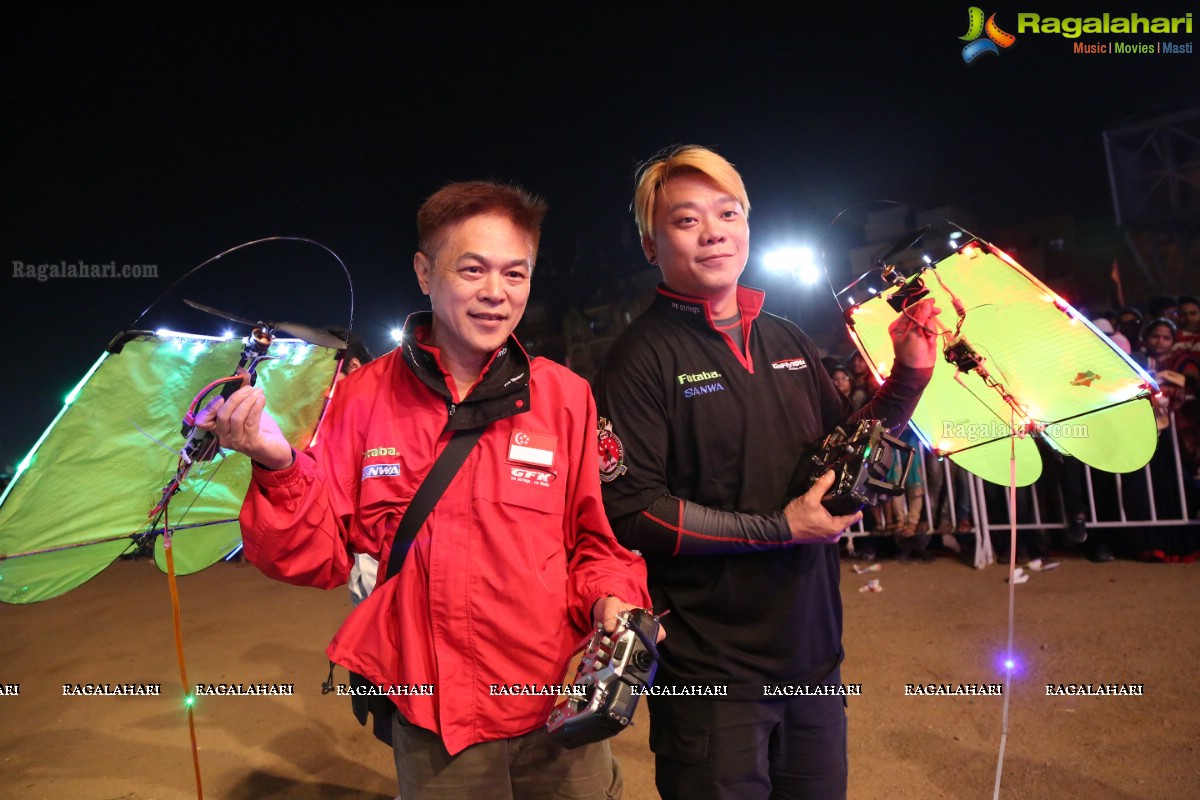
{"x":1123,"y":622}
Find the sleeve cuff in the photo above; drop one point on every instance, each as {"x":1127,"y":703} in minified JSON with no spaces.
{"x":904,"y":376}
{"x":277,"y":477}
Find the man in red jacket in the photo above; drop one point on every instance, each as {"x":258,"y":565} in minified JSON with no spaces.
{"x":515,"y":563}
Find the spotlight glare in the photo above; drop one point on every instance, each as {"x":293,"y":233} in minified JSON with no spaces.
{"x":794,"y":262}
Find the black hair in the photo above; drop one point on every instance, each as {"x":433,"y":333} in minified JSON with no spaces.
{"x":1158,"y":323}
{"x":1160,"y":303}
{"x":1190,"y":299}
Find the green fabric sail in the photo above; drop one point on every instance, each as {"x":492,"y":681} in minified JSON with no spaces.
{"x":82,"y":495}
{"x":1092,"y":400}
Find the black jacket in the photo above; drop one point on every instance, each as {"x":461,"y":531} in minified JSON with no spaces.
{"x":704,"y":428}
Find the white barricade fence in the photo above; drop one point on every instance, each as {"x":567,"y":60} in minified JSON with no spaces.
{"x":947,"y":502}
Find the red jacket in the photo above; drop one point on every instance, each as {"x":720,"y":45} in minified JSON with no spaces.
{"x":498,"y":586}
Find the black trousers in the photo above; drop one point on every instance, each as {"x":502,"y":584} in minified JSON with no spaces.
{"x":772,"y":749}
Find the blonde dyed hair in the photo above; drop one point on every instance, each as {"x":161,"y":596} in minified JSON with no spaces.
{"x":653,"y":175}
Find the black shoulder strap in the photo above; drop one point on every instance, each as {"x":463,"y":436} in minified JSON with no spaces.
{"x":428,"y":494}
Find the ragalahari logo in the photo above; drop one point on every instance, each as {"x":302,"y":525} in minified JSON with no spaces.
{"x":976,"y":27}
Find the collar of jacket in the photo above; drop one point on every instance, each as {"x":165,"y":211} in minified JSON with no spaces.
{"x":699,"y":312}
{"x":502,"y":391}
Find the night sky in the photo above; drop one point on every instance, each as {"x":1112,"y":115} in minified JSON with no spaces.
{"x":144,"y":135}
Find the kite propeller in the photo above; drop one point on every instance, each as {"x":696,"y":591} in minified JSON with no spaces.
{"x":306,"y":332}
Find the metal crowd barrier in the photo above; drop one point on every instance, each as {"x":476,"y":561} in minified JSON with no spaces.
{"x":983,"y":525}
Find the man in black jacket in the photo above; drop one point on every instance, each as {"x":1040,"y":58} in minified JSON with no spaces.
{"x":707,"y":405}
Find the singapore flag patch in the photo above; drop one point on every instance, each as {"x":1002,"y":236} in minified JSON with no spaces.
{"x":535,"y":449}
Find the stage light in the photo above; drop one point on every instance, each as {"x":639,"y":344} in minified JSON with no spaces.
{"x":793,"y":262}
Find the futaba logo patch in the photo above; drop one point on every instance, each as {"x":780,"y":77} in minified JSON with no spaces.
{"x":696,"y":377}
{"x":380,"y":470}
{"x":976,"y":29}
{"x":707,"y":379}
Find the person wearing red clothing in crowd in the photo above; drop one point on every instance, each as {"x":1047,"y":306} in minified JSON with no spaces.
{"x":516,"y":562}
{"x":1177,"y":371}
{"x":1187,"y":337}
{"x":1172,"y":368}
